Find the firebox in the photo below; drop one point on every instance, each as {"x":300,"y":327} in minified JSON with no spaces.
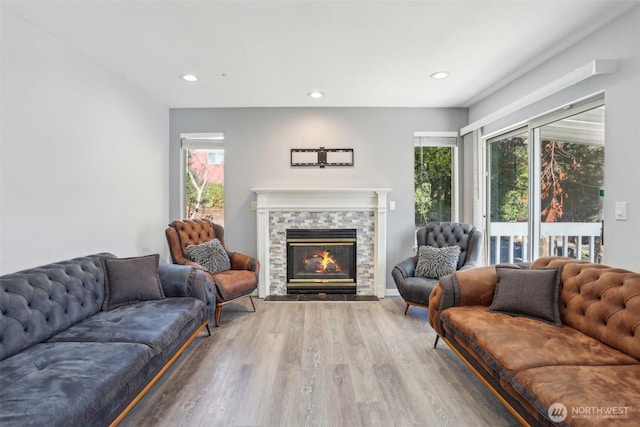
{"x":321,"y":260}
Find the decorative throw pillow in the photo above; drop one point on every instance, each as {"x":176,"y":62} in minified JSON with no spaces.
{"x":530,"y":293}
{"x":211,"y":255}
{"x":433,"y":263}
{"x":131,"y":280}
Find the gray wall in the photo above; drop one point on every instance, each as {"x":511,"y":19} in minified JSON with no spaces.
{"x":257,"y":154}
{"x":85,"y":156}
{"x":619,"y":41}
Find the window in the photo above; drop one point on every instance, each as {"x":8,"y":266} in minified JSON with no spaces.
{"x":559,"y":212}
{"x":435,"y":180}
{"x":215,"y":157}
{"x":203,"y":176}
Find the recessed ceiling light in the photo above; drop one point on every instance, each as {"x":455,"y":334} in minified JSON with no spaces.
{"x":316,"y":94}
{"x":440,"y":75}
{"x":189,"y":77}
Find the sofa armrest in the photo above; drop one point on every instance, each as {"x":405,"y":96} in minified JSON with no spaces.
{"x":186,"y":281}
{"x":435,"y":300}
{"x":195,"y":265}
{"x":465,"y":287}
{"x":475,"y":286}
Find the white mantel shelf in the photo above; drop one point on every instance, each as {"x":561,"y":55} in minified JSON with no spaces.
{"x":322,"y":200}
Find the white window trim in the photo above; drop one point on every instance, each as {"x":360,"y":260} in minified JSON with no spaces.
{"x":590,"y":69}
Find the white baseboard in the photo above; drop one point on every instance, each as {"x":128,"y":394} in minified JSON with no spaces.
{"x":391,"y":293}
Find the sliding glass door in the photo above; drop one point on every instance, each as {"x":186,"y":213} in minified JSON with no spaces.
{"x":571,"y":180}
{"x":509,"y":197}
{"x":559,"y":212}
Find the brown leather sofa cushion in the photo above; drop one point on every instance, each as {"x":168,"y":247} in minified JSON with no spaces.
{"x":513,"y":344}
{"x":612,"y":389}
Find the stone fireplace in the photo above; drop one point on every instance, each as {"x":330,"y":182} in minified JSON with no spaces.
{"x":283,"y":210}
{"x":321,"y":260}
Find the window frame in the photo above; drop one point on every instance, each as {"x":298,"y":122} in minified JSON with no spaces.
{"x":450,"y":140}
{"x":532,"y":127}
{"x":195,"y":141}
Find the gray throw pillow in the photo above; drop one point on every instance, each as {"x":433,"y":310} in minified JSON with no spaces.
{"x":530,"y":293}
{"x":211,"y":255}
{"x":131,"y":280}
{"x":433,"y":263}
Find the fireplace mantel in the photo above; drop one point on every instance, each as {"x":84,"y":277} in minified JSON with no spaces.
{"x":271,"y":200}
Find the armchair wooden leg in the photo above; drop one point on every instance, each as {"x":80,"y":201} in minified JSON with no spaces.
{"x":208,"y":330}
{"x":217,"y":315}
{"x":252,"y":304}
{"x":406,"y":308}
{"x":436,"y":343}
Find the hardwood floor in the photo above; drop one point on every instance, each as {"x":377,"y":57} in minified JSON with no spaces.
{"x":319,"y":364}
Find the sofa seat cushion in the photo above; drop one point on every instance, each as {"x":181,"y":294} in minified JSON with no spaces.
{"x":513,"y":344}
{"x":232,"y":284}
{"x":66,"y":383}
{"x":612,"y":396}
{"x":155,"y":323}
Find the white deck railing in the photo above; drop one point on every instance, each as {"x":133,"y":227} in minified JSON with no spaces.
{"x":557,"y":238}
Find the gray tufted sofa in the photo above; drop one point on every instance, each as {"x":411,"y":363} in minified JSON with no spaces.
{"x":64,"y":361}
{"x":416,"y":290}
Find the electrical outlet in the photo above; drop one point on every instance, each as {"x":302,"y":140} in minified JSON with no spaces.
{"x":254,"y":205}
{"x":392,"y":205}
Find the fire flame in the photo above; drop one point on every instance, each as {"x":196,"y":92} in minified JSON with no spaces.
{"x":324,"y":260}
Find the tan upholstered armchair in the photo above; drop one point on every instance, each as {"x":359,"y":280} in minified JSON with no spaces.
{"x":230,"y":285}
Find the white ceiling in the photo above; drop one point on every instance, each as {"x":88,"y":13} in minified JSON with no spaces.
{"x":359,"y":53}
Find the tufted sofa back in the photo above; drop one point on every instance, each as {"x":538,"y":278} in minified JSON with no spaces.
{"x":37,"y":303}
{"x":182,"y":233}
{"x":441,"y":234}
{"x":604,"y":303}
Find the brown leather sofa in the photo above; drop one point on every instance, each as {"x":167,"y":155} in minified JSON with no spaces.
{"x":230,"y":285}
{"x":585,"y":372}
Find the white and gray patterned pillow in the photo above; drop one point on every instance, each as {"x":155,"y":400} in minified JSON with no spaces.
{"x":211,"y":255}
{"x":433,"y":263}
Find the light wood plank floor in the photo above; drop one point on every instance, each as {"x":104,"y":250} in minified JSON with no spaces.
{"x":319,"y":364}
